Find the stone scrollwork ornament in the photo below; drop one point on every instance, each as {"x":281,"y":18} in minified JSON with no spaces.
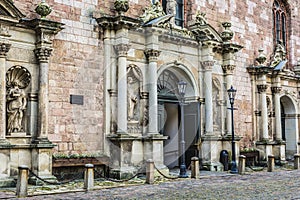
{"x":200,"y":18}
{"x":43,"y":9}
{"x":17,"y":79}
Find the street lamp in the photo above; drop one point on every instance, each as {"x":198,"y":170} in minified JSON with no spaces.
{"x":181,"y":90}
{"x":231,"y":95}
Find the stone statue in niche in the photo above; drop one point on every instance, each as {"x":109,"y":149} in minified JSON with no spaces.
{"x":17,"y":79}
{"x":134,"y":77}
{"x":132,"y":98}
{"x":216,"y":105}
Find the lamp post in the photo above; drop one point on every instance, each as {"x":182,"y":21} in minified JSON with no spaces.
{"x":231,"y":95}
{"x":181,"y":90}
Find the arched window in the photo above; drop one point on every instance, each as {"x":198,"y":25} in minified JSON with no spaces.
{"x":280,"y":23}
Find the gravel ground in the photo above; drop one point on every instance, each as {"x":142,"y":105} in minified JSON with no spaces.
{"x":281,"y":184}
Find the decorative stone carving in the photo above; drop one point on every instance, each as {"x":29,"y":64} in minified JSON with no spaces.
{"x":43,"y":9}
{"x":228,"y":69}
{"x":276,"y":89}
{"x":145,"y":97}
{"x":43,"y":54}
{"x":122,"y":49}
{"x":152,"y":54}
{"x":4,"y":48}
{"x":262,"y":88}
{"x":153,"y":12}
{"x":207,"y":65}
{"x":261,"y":57}
{"x":279,"y":55}
{"x":4,"y":31}
{"x":17,"y":79}
{"x":121,"y":6}
{"x":200,"y":18}
{"x":227,"y":34}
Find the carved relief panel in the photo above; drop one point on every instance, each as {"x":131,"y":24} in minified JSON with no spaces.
{"x":17,"y":80}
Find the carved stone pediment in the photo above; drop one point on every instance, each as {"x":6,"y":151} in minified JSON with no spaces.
{"x":205,"y":32}
{"x":9,"y":12}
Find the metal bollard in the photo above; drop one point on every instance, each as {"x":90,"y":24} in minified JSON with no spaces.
{"x":242,"y":164}
{"x":150,"y":171}
{"x":296,"y":161}
{"x":195,"y":173}
{"x":271,"y":163}
{"x":22,"y":183}
{"x":89,"y":177}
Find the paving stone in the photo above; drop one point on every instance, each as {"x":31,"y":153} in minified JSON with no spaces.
{"x":280,"y":184}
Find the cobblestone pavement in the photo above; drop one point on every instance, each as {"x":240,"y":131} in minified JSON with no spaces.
{"x":281,"y":184}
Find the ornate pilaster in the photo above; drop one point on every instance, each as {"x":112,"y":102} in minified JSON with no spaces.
{"x":264,"y":110}
{"x":228,"y":70}
{"x":4,"y":48}
{"x":121,"y":50}
{"x":45,"y":32}
{"x":278,"y":131}
{"x":152,"y":55}
{"x":208,"y":65}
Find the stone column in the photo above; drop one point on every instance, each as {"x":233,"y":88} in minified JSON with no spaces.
{"x":276,"y":91}
{"x":122,"y":50}
{"x":228,"y":70}
{"x":152,"y":56}
{"x":4,"y":48}
{"x":264,"y":110}
{"x":207,"y":65}
{"x":43,"y":54}
{"x":107,"y":87}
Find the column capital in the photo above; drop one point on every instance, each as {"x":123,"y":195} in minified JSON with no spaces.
{"x":207,"y":65}
{"x":122,"y":49}
{"x":4,"y":48}
{"x":228,"y":69}
{"x":276,"y":89}
{"x":152,"y":54}
{"x":43,"y":54}
{"x":262,"y":88}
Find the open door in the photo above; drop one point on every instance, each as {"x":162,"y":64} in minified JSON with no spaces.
{"x":191,"y":130}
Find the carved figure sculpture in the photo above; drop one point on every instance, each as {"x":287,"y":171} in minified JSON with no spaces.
{"x":171,"y":9}
{"x":132,"y":98}
{"x":153,"y":12}
{"x":17,"y":79}
{"x":16,"y":105}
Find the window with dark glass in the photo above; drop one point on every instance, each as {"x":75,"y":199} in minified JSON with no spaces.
{"x":279,"y":16}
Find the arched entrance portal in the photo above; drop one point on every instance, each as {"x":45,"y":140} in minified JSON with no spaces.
{"x":169,"y":121}
{"x":289,"y":126}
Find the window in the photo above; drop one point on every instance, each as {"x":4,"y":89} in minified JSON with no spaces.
{"x":280,"y":28}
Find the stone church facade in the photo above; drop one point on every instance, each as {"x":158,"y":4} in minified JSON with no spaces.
{"x":100,"y":78}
